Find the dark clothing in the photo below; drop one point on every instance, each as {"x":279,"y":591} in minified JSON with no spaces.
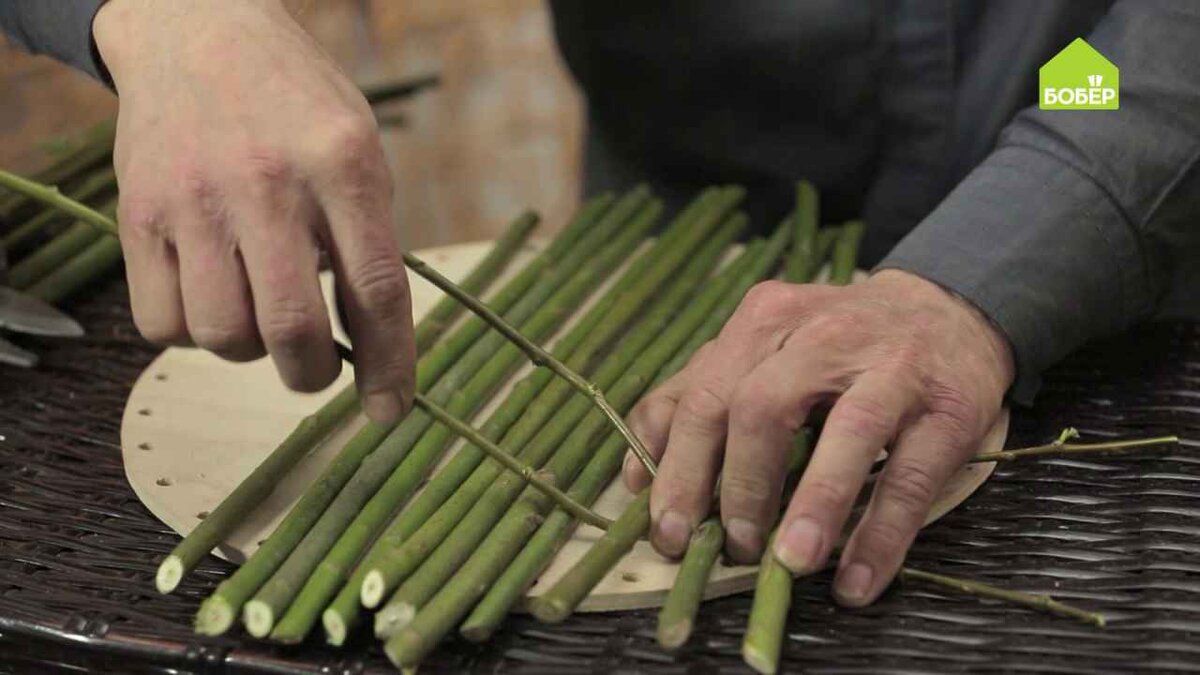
{"x":1060,"y":226}
{"x":1064,"y":225}
{"x":58,"y":28}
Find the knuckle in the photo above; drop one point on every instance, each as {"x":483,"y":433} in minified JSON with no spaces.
{"x":883,"y":535}
{"x":382,"y":287}
{"x":704,"y":405}
{"x":747,"y":490}
{"x":756,"y":405}
{"x":828,"y":496}
{"x":954,"y":413}
{"x":862,"y":418}
{"x":221,"y":338}
{"x":828,"y":328}
{"x":141,"y":217}
{"x":288,"y":326}
{"x":267,"y":166}
{"x":909,"y":485}
{"x":766,"y":300}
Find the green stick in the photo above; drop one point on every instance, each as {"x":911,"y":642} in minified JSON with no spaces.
{"x":1062,"y":447}
{"x":1036,"y":601}
{"x":557,"y":603}
{"x":345,"y":610}
{"x":97,"y":148}
{"x":397,"y":565}
{"x":496,"y":550}
{"x":678,"y":612}
{"x":79,"y":272}
{"x":437,"y":319}
{"x":491,"y":360}
{"x":217,"y":612}
{"x":562,"y":599}
{"x":539,"y":551}
{"x":803,"y":261}
{"x":97,"y":185}
{"x":845,"y":253}
{"x":763,"y":641}
{"x":46,"y":259}
{"x":315,"y":427}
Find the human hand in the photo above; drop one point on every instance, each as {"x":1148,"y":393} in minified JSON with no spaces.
{"x":242,"y":152}
{"x":904,"y":363}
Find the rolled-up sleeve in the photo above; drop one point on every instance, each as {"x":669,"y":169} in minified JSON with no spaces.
{"x":1080,"y":221}
{"x":61,"y":29}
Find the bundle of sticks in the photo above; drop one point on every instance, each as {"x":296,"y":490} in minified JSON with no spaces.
{"x":381,"y":535}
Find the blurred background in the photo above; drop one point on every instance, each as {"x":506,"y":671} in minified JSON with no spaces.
{"x":503,"y":131}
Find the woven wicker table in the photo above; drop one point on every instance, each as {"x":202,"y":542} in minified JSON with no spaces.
{"x":1114,"y":534}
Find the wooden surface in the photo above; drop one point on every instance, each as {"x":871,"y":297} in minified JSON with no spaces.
{"x":502,"y":132}
{"x":195,"y":426}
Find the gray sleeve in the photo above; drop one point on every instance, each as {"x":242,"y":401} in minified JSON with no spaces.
{"x":58,"y":28}
{"x":1080,"y":222}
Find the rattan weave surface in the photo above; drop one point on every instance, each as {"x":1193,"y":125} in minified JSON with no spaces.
{"x":1114,"y":534}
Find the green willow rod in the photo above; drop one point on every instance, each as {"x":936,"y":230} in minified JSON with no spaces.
{"x":500,"y":546}
{"x":372,"y":494}
{"x":306,"y":608}
{"x":533,"y":558}
{"x":395,"y":567}
{"x":312,"y":429}
{"x":528,"y":405}
{"x":462,"y":350}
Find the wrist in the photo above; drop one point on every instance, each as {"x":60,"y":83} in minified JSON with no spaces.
{"x":132,"y":32}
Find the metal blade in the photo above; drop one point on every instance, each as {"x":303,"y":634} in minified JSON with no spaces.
{"x":26,"y":314}
{"x":15,"y":356}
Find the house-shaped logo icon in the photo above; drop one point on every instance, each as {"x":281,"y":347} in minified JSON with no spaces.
{"x":1079,"y":78}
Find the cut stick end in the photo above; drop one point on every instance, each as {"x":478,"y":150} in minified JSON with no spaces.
{"x":371,"y":593}
{"x":758,"y":660}
{"x":170,"y":573}
{"x":549,"y":610}
{"x":259,"y":618}
{"x":404,"y":651}
{"x":477,"y":633}
{"x":392,"y":619}
{"x":675,"y":635}
{"x":335,"y":627}
{"x":215,"y":616}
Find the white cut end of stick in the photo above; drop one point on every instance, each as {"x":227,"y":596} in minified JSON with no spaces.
{"x":215,"y":616}
{"x":170,"y":573}
{"x":259,"y":618}
{"x":335,"y":628}
{"x":757,"y":660}
{"x":371,"y":593}
{"x":393,"y":619}
{"x":673,"y":637}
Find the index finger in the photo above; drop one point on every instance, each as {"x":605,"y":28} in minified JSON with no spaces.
{"x":371,"y":283}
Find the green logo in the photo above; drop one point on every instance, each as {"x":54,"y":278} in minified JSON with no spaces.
{"x":1079,"y":78}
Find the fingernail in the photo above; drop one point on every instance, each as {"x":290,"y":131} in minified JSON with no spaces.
{"x":673,"y":533}
{"x":854,"y":583}
{"x":383,"y":408}
{"x":743,"y":540}
{"x":798,"y":547}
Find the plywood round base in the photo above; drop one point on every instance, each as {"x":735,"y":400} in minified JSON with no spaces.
{"x":195,"y":426}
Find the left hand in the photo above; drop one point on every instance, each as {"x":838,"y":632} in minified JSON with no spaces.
{"x":905,"y":364}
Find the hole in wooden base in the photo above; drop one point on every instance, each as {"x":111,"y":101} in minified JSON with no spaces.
{"x":202,"y":515}
{"x":164,"y":482}
{"x":630,"y":577}
{"x":161,"y":377}
{"x":144,"y":412}
{"x":144,"y":446}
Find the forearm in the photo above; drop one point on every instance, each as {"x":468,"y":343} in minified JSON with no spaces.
{"x":1076,"y":225}
{"x":61,"y":29}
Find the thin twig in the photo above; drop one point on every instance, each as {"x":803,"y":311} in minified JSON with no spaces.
{"x":50,"y":195}
{"x":1061,"y":447}
{"x":536,"y":354}
{"x":1037,"y":601}
{"x":529,"y":474}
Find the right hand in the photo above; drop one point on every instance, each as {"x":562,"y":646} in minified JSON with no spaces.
{"x":242,"y":152}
